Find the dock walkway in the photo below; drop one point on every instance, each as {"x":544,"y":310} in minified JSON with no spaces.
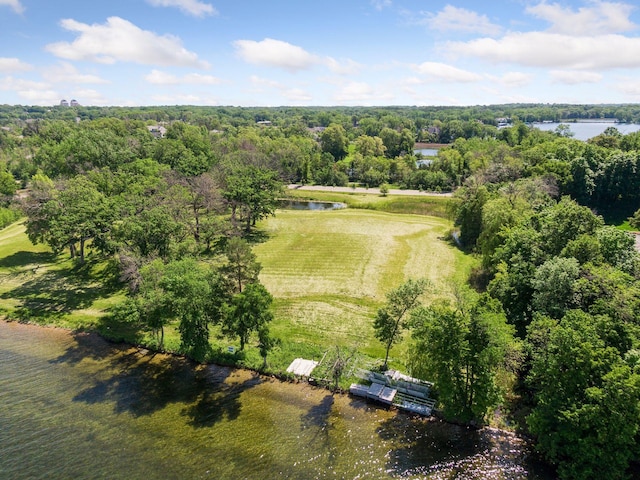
{"x":393,"y":388}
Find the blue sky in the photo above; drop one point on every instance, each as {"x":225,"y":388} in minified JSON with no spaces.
{"x":298,"y":52}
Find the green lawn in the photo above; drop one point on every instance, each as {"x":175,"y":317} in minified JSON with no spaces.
{"x":328,"y":272}
{"x":40,"y":287}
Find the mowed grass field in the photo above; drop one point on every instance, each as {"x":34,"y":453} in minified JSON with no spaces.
{"x":40,"y":287}
{"x":329,"y":271}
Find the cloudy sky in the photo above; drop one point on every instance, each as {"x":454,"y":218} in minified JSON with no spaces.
{"x":334,"y":52}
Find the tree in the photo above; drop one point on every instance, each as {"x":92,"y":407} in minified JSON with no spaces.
{"x":249,"y":311}
{"x":188,"y":291}
{"x":553,"y":285}
{"x":461,"y":350}
{"x":587,"y":411}
{"x":390,"y":319}
{"x":242,"y":267}
{"x":334,"y":140}
{"x":252,"y":194}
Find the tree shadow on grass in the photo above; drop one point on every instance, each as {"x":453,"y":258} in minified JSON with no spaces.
{"x":56,"y":293}
{"x":26,"y":258}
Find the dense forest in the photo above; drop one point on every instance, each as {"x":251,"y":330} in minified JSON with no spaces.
{"x":549,"y":328}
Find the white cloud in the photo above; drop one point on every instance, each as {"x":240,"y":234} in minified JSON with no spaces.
{"x":65,"y":72}
{"x":13,"y":65}
{"x":600,"y":18}
{"x":572,"y":77}
{"x":275,"y":53}
{"x":279,"y":54}
{"x":159,"y":77}
{"x":347,"y":67}
{"x":443,"y":72}
{"x":16,"y":5}
{"x":121,"y":40}
{"x":191,"y":7}
{"x":35,"y":93}
{"x":381,"y":4}
{"x":462,"y":20}
{"x":542,"y":49}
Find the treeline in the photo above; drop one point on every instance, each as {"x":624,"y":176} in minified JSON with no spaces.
{"x":569,"y":286}
{"x":221,"y":116}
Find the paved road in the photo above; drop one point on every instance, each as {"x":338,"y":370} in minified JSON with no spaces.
{"x":373,"y":191}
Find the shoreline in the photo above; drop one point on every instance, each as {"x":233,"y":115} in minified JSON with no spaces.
{"x":273,"y":376}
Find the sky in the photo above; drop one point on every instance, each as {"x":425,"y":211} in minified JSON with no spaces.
{"x":310,"y":53}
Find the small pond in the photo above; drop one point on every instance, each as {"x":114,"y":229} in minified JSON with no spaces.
{"x":310,"y":205}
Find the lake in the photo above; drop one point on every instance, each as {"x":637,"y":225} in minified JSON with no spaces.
{"x":587,"y":130}
{"x":76,"y":406}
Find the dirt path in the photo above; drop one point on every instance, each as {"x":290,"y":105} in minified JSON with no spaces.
{"x":372,"y":191}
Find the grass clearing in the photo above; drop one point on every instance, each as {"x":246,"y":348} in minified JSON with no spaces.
{"x":328,"y":271}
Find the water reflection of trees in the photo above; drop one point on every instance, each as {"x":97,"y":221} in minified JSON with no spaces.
{"x":317,"y":422}
{"x":140,"y":383}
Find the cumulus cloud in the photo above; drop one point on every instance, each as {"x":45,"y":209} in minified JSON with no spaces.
{"x":120,"y":40}
{"x":585,"y":39}
{"x":190,"y":7}
{"x":279,"y":54}
{"x":447,"y":73}
{"x":159,"y":77}
{"x":16,"y":5}
{"x":90,"y":97}
{"x":65,"y":72}
{"x":573,"y":77}
{"x":13,"y":65}
{"x":452,"y":18}
{"x":275,"y":53}
{"x":35,"y":93}
{"x":542,"y":49}
{"x":600,"y":18}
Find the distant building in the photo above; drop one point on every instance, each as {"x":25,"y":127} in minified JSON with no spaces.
{"x":74,"y":103}
{"x":64,"y":103}
{"x":157,"y":131}
{"x":264,"y":123}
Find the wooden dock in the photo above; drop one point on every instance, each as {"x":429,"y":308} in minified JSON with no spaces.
{"x":405,"y":393}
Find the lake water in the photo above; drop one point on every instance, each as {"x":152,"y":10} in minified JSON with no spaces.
{"x":587,"y":130}
{"x":75,"y":406}
{"x":310,"y":205}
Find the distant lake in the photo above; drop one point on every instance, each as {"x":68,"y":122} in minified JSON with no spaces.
{"x":587,"y":130}
{"x":427,"y":152}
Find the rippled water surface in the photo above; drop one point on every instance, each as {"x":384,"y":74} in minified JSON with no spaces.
{"x":74,"y":406}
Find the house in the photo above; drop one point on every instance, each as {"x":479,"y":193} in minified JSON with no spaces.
{"x":157,"y":131}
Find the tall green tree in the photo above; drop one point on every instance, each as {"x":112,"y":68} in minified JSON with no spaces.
{"x":587,"y":411}
{"x":391,"y":319}
{"x":462,"y":350}
{"x":333,"y":140}
{"x":241,"y":268}
{"x":247,"y":312}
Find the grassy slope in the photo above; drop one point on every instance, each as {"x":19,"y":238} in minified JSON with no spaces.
{"x":37,"y":286}
{"x":328,"y":272}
